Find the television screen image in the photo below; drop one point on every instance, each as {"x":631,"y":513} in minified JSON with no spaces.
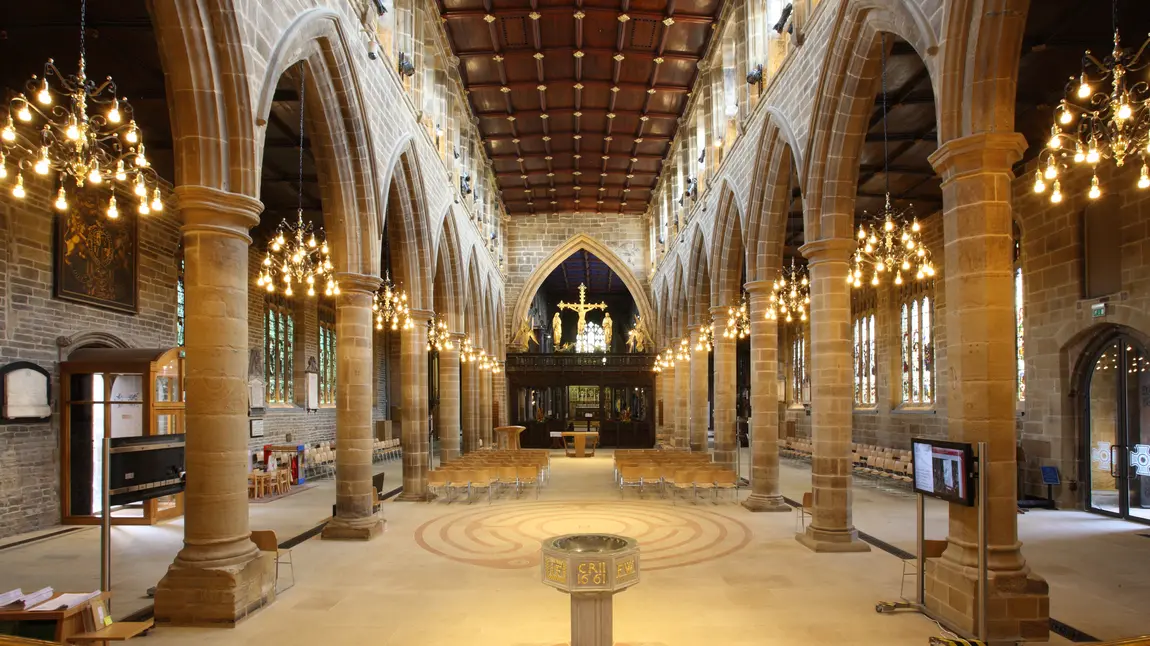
{"x":942,"y":470}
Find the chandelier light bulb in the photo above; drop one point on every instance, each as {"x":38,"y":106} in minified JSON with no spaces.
{"x":905,"y":266}
{"x":42,"y":163}
{"x":24,"y":114}
{"x":61,"y":200}
{"x":1079,"y":153}
{"x":888,"y":226}
{"x":874,"y":279}
{"x":880,"y":266}
{"x":143,"y":208}
{"x":1065,"y":117}
{"x":9,"y":133}
{"x":288,"y":290}
{"x":898,"y":278}
{"x":271,"y":287}
{"x":914,"y":226}
{"x":862,"y":233}
{"x":132,"y":136}
{"x":44,"y":96}
{"x":1092,"y":155}
{"x":113,"y":212}
{"x":141,"y":159}
{"x":1144,"y":179}
{"x":120,"y":174}
{"x":73,"y":130}
{"x":157,"y":203}
{"x":1056,"y":195}
{"x":1124,"y":112}
{"x":1095,"y":191}
{"x":1051,"y":169}
{"x":140,"y":189}
{"x":1083,"y":87}
{"x":18,"y":189}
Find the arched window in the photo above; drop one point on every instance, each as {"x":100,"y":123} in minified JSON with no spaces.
{"x":279,"y":333}
{"x":1019,"y":312}
{"x":865,"y":372}
{"x":778,"y":44}
{"x":799,"y":378}
{"x":591,"y":339}
{"x":916,"y":322}
{"x":327,"y":361}
{"x":180,"y":305}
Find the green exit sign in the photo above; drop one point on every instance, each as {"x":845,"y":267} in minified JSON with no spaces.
{"x":1098,"y":310}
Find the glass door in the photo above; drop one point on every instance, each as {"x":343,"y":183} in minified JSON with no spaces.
{"x":1118,"y":431}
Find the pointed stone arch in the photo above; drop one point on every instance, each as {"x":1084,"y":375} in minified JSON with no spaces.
{"x":697,"y":281}
{"x":728,"y":251}
{"x":448,"y":282}
{"x":601,"y":251}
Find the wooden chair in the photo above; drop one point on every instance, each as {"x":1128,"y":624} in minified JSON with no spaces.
{"x":437,"y":483}
{"x":630,"y":477}
{"x":265,"y":540}
{"x":284,"y":480}
{"x":704,"y":479}
{"x":508,"y":477}
{"x":650,"y":475}
{"x":804,"y":510}
{"x":253,"y":486}
{"x":685,"y":481}
{"x":527,"y":475}
{"x":458,"y":479}
{"x":726,"y":481}
{"x":481,"y":479}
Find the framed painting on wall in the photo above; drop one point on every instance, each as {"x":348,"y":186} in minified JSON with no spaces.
{"x":97,"y":257}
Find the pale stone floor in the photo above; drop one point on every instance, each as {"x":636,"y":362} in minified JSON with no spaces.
{"x":467,"y":575}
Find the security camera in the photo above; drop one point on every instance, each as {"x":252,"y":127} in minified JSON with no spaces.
{"x":373,"y":50}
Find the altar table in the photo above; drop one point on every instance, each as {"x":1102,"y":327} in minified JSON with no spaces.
{"x":581,"y":440}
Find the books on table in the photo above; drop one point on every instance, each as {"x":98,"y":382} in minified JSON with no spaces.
{"x":17,"y":600}
{"x":65,"y":601}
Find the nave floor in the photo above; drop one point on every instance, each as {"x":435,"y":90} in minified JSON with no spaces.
{"x":468,"y":574}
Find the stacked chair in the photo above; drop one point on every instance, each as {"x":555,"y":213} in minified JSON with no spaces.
{"x":673,"y":473}
{"x":319,"y":461}
{"x":883,"y":466}
{"x":493,"y":472}
{"x":386,"y":450}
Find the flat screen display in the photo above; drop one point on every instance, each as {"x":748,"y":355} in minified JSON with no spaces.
{"x":943,"y":470}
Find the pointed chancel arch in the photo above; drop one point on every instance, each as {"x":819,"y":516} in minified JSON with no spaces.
{"x":728,"y":258}
{"x":601,"y":251}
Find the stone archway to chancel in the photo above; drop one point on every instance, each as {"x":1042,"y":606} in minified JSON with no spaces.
{"x":601,"y":251}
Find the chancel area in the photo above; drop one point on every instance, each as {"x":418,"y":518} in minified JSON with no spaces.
{"x":659,"y":323}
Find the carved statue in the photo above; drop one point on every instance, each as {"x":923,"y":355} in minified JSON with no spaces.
{"x":557,"y":328}
{"x":525,"y":335}
{"x":638,"y":337}
{"x":608,"y":330}
{"x":312,"y":365}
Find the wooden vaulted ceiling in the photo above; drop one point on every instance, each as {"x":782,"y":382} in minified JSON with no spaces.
{"x":578,"y":100}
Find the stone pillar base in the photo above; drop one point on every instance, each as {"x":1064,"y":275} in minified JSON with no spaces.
{"x":759,"y":502}
{"x":352,"y":530}
{"x":1018,"y":608}
{"x":190,"y":596}
{"x":818,"y":540}
{"x":411,"y":497}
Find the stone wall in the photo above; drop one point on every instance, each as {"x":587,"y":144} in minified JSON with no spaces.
{"x":532,"y":240}
{"x":31,"y":321}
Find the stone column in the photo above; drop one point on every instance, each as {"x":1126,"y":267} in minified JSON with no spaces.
{"x":447,"y":424}
{"x":469,"y":404}
{"x":659,"y":396}
{"x":219,"y":575}
{"x":499,"y":388}
{"x":416,"y":458}
{"x":765,"y":494}
{"x":699,"y":401}
{"x":725,"y":368}
{"x":832,"y":399}
{"x":682,"y":409}
{"x":353,"y":433}
{"x":484,"y":411}
{"x":977,"y":274}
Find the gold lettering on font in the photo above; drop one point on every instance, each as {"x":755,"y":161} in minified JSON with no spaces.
{"x":592,"y":573}
{"x":556,"y":570}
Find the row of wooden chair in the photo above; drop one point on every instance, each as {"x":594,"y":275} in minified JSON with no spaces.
{"x":676,"y":479}
{"x":319,"y":462}
{"x":447,"y":482}
{"x":669,"y":460}
{"x":386,"y":450}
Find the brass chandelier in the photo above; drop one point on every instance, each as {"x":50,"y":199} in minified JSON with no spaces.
{"x":467,"y":351}
{"x":390,"y":306}
{"x":738,"y":320}
{"x":665,"y":360}
{"x":790,"y":295}
{"x":438,"y":338}
{"x":1112,"y":123}
{"x":892,"y":241}
{"x":298,"y":254}
{"x":706,"y":341}
{"x":91,"y":149}
{"x":684,"y":352}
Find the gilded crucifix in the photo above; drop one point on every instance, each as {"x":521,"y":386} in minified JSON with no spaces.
{"x":582,"y":307}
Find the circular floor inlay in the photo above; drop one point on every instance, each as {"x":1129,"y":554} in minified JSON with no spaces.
{"x":508,"y":536}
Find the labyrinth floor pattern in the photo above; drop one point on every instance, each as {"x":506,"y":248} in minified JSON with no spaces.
{"x":509,"y":536}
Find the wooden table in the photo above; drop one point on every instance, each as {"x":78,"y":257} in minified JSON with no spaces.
{"x":67,"y":626}
{"x":580,"y":439}
{"x":117,"y":632}
{"x":507,"y":437}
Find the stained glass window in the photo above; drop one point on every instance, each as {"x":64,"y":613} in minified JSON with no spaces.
{"x":798,"y":367}
{"x":327,"y":360}
{"x":1019,"y":342}
{"x":180,"y":305}
{"x":864,"y":360}
{"x":915,"y":320}
{"x":279,"y":331}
